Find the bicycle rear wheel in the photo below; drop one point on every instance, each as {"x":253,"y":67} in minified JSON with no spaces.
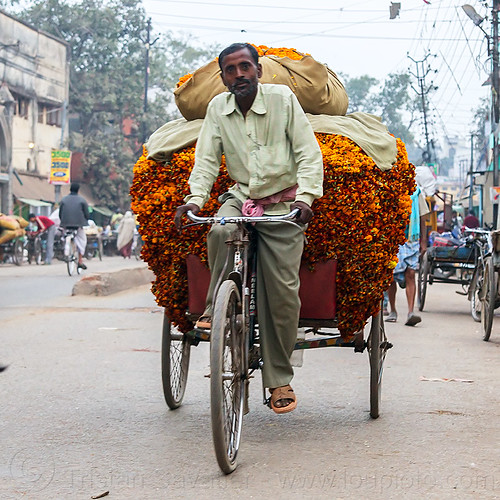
{"x":227,"y":376}
{"x":18,"y":252}
{"x":475,"y":287}
{"x":175,"y":352}
{"x":488,"y":294}
{"x":37,"y":251}
{"x":72,"y":259}
{"x":377,"y":347}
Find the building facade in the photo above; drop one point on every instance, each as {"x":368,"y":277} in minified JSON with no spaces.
{"x":34,"y":90}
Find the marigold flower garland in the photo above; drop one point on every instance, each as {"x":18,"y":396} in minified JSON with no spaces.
{"x":360,"y":220}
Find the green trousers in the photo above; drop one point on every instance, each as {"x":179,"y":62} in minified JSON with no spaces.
{"x":280,"y":248}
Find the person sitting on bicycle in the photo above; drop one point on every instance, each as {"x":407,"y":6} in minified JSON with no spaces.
{"x":273,"y":157}
{"x":74,"y":214}
{"x":45,"y":224}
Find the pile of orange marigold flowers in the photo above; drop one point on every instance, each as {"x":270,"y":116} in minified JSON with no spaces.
{"x":360,"y":220}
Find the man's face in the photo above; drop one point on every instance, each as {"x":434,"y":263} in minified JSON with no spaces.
{"x":240,"y":74}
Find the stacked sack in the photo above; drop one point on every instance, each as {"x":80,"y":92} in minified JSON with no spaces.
{"x":11,"y":226}
{"x":360,"y":220}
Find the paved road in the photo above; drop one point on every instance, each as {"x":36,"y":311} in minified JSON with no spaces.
{"x":82,"y":410}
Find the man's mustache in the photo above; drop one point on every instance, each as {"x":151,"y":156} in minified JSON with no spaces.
{"x":239,"y":82}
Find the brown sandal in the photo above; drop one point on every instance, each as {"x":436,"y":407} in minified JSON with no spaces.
{"x":204,"y":322}
{"x":280,"y":394}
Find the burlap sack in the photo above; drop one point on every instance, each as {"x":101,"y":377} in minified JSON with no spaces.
{"x":22,"y":221}
{"x":9,"y":222}
{"x":10,"y":234}
{"x":317,"y":87}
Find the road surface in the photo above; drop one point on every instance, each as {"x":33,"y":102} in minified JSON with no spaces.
{"x":82,"y":410}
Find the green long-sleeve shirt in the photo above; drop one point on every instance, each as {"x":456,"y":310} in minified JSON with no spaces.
{"x":271,"y":149}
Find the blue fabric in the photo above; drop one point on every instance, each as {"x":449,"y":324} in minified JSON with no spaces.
{"x":407,"y":258}
{"x":413,"y":228}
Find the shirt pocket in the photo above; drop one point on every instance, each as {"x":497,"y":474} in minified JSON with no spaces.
{"x":275,"y":165}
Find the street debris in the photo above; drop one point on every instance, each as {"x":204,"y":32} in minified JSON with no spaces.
{"x":425,"y":379}
{"x":105,"y":494}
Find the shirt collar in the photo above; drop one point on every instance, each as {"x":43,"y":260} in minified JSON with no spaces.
{"x":258,"y":105}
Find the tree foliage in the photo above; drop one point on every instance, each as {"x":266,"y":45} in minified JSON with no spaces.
{"x":107,"y":75}
{"x":390,"y":100}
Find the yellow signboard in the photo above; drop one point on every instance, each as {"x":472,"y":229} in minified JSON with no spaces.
{"x":60,"y":167}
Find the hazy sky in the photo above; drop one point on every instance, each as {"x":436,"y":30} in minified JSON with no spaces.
{"x":356,"y":37}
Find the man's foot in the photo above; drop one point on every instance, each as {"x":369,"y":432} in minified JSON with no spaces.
{"x":412,"y":319}
{"x":204,"y":322}
{"x":81,"y":265}
{"x":283,"y":399}
{"x":385,"y":312}
{"x":392,"y":318}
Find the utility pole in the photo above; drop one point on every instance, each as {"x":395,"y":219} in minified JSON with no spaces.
{"x":422,"y":72}
{"x":495,"y":111}
{"x":148,"y":44}
{"x":471,"y":173}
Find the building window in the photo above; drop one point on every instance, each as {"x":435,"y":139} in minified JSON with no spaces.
{"x":41,"y":113}
{"x":53,"y":115}
{"x":22,"y":106}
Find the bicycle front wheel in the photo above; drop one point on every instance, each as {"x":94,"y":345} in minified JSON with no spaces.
{"x":227,"y":374}
{"x":423,"y":277}
{"x":175,"y":352}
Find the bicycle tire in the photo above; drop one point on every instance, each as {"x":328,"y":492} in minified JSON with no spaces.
{"x":423,"y":276}
{"x":18,"y":252}
{"x":475,"y":287}
{"x":227,"y":384}
{"x":377,"y":349}
{"x":72,"y":260}
{"x":175,"y":354}
{"x":489,"y":296}
{"x":37,"y":251}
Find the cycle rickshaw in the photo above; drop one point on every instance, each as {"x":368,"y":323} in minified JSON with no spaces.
{"x":234,"y":336}
{"x":462,"y":264}
{"x":490,"y":295}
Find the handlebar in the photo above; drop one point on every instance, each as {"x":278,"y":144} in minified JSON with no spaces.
{"x":243,"y":219}
{"x":475,"y":230}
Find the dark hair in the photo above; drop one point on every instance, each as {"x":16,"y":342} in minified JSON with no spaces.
{"x":239,"y":46}
{"x":30,"y":216}
{"x":74,"y":187}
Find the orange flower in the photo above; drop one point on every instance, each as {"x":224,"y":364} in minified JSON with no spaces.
{"x":360,"y":220}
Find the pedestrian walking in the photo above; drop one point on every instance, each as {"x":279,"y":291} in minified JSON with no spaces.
{"x":408,"y":257}
{"x":125,"y":238}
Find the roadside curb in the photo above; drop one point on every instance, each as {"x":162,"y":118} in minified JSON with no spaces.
{"x":108,"y":283}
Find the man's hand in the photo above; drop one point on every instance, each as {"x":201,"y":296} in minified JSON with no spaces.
{"x":182,"y":210}
{"x":305,"y":212}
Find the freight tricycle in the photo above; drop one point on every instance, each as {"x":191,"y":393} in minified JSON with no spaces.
{"x":234,"y":335}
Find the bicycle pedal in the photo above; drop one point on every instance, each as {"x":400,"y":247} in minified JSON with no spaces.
{"x":207,"y":375}
{"x":461,"y":293}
